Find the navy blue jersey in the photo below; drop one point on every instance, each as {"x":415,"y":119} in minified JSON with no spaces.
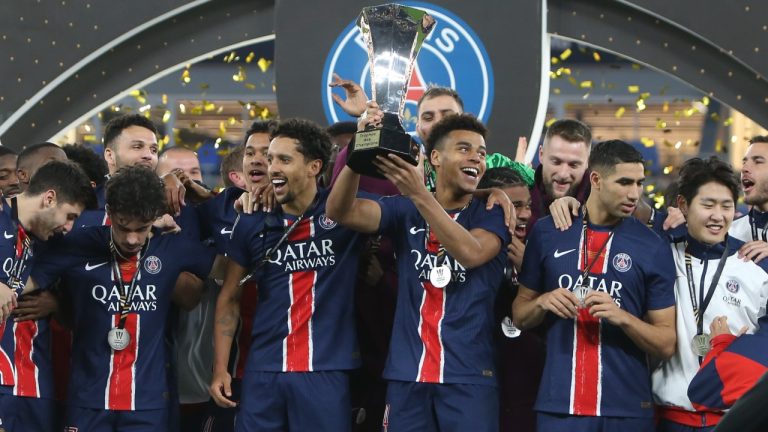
{"x":304,"y":317}
{"x":25,"y":359}
{"x":442,"y":335}
{"x":217,"y":216}
{"x":134,"y":378}
{"x":592,"y":367}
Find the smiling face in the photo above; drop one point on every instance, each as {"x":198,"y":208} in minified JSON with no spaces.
{"x":135,"y":145}
{"x":521,"y":201}
{"x":460,"y":160}
{"x":255,"y":160}
{"x":291,"y":174}
{"x":563,"y":164}
{"x":710,"y":213}
{"x":754,"y":176}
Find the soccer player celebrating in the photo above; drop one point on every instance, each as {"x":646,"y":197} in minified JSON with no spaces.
{"x":712,"y":282}
{"x":53,"y":199}
{"x":605,"y":288}
{"x":753,"y":227}
{"x":303,"y":337}
{"x":440,"y":368}
{"x":120,"y":280}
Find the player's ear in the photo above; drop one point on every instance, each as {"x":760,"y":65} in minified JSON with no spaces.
{"x":594,"y":179}
{"x":682,"y":204}
{"x":49,"y":198}
{"x":315,"y":167}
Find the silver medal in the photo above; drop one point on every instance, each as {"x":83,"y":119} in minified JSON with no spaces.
{"x":580,"y":291}
{"x":118,"y":338}
{"x":440,"y":276}
{"x":700,"y":344}
{"x":509,"y":328}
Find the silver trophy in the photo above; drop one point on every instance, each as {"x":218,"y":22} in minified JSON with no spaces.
{"x":393,"y":35}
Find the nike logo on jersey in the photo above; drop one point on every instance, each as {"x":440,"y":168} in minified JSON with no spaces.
{"x":414,"y":230}
{"x":89,"y":267}
{"x":558,"y":254}
{"x":6,"y":235}
{"x":225,"y":231}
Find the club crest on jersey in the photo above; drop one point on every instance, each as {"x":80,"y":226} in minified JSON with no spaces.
{"x":451,"y":56}
{"x":153,"y":264}
{"x":326,"y":222}
{"x":732,"y":286}
{"x":622,"y":262}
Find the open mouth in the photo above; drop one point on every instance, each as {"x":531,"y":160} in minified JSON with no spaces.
{"x":471,"y":172}
{"x":747,"y":185}
{"x":715,"y":229}
{"x":520,"y":230}
{"x":256,"y":175}
{"x":279,"y":184}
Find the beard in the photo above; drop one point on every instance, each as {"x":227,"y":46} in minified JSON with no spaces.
{"x":759,"y":197}
{"x":550,"y":190}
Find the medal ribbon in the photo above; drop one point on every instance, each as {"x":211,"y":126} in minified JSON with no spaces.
{"x":585,"y":248}
{"x":22,"y":249}
{"x":125,"y":295}
{"x":753,"y":227}
{"x":702,"y":300}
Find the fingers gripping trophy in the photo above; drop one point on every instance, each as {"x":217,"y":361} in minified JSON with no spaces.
{"x":393,"y":35}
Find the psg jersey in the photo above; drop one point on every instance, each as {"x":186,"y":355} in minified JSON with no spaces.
{"x":217,"y":216}
{"x":442,"y":335}
{"x":304,"y":317}
{"x":133,"y":378}
{"x":592,"y":367}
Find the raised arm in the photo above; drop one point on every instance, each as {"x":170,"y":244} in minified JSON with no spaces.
{"x":346,"y":208}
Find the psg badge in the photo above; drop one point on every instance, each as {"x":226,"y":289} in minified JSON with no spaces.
{"x":440,"y":276}
{"x":700,"y":344}
{"x":118,"y":338}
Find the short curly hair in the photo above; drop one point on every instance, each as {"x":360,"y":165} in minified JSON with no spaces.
{"x":314,"y":142}
{"x":91,"y":162}
{"x":697,"y":172}
{"x":70,"y":182}
{"x":136,"y":192}
{"x":451,"y":123}
{"x":115,"y":127}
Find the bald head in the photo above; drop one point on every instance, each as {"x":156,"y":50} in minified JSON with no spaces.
{"x":179,"y":158}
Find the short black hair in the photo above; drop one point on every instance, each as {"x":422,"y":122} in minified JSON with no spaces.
{"x":91,"y":162}
{"x":607,"y":154}
{"x":501,"y":177}
{"x":136,"y":192}
{"x":341,"y":128}
{"x":451,"y":123}
{"x":67,"y":179}
{"x":570,"y":130}
{"x":5,"y":151}
{"x":697,"y":172}
{"x":232,"y":161}
{"x":31,"y":150}
{"x":759,"y":139}
{"x":115,"y":127}
{"x":436,"y":91}
{"x":259,"y":126}
{"x":314,"y":142}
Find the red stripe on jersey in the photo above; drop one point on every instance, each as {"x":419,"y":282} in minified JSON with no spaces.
{"x":26,"y":370}
{"x":431,"y":315}
{"x":586,"y":376}
{"x":122,"y":373}
{"x":248,"y":300}
{"x":6,"y":367}
{"x":298,"y":343}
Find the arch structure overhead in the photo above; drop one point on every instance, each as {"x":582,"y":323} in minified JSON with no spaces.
{"x":155,"y":50}
{"x":662,"y":37}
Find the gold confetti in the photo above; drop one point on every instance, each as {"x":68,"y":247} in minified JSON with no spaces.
{"x":586,"y":96}
{"x":185,"y":78}
{"x":217,"y":143}
{"x":554,"y":60}
{"x":620,"y":112}
{"x":249,"y":58}
{"x":644,"y":95}
{"x":240,"y":75}
{"x":209,"y":106}
{"x":636,"y":66}
{"x":647,"y":142}
{"x":252,"y":113}
{"x":661,"y":124}
{"x":220,"y":109}
{"x":166,"y":116}
{"x":665,"y":107}
{"x":640,"y":105}
{"x":549,"y":122}
{"x":164,"y":98}
{"x":166,"y":139}
{"x":719,"y":146}
{"x":573,"y":81}
{"x":596,"y":56}
{"x":196,"y":110}
{"x":222,"y":128}
{"x":728,"y":121}
{"x":264,"y":64}
{"x":552,"y":75}
{"x":705,"y":100}
{"x":633,"y":88}
{"x":250,"y":86}
{"x":668,"y":169}
{"x":715,"y":116}
{"x":650,"y":188}
{"x":563,"y":71}
{"x":144,"y":108}
{"x":231,"y":121}
{"x":690,"y":111}
{"x":556,"y":90}
{"x":585,"y":84}
{"x":565,"y":54}
{"x":229,"y":58}
{"x":140,"y":96}
{"x":182,"y":108}
{"x":264,"y":113}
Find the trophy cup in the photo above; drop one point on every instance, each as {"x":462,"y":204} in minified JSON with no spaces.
{"x":393,"y":35}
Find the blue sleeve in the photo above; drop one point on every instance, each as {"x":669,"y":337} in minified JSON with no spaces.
{"x":55,"y":258}
{"x":492,"y":221}
{"x":660,"y":278}
{"x":199,"y":259}
{"x":205,"y":215}
{"x":532,"y":275}
{"x":244,"y":233}
{"x":392,"y":214}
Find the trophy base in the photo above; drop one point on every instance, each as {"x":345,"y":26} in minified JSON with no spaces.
{"x":371,"y":143}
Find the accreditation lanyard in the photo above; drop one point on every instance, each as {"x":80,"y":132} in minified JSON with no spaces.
{"x":700,"y":305}
{"x":271,"y":251}
{"x":753,"y":227}
{"x":125,"y":295}
{"x":22,"y":249}
{"x":587,"y":266}
{"x":651,"y":219}
{"x":441,"y":257}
